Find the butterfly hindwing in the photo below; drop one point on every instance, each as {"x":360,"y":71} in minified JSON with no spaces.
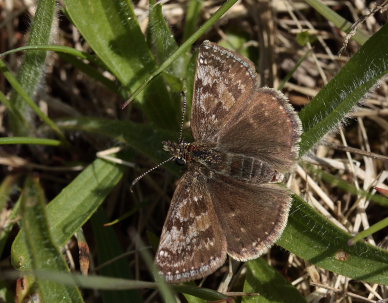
{"x":252,"y":216}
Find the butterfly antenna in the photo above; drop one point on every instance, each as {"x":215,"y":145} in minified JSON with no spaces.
{"x":148,"y":171}
{"x":183,"y":117}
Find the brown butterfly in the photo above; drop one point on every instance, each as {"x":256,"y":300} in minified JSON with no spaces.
{"x":227,"y":202}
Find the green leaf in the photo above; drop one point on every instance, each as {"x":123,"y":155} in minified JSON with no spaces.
{"x":194,"y":299}
{"x":312,"y":237}
{"x":305,"y":37}
{"x":162,"y":40}
{"x":33,"y":66}
{"x":272,"y":287}
{"x":199,"y":292}
{"x":73,"y":206}
{"x":42,"y":251}
{"x":331,"y":105}
{"x":116,"y":38}
{"x":6,"y":293}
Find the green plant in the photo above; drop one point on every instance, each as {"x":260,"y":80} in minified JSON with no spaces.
{"x":155,"y":70}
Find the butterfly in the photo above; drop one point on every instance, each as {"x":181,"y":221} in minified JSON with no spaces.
{"x":228,"y":201}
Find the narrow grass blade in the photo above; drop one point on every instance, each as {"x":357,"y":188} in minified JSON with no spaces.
{"x":42,"y":251}
{"x":370,"y":231}
{"x":22,"y":94}
{"x":331,"y":105}
{"x":193,"y":14}
{"x":272,"y":287}
{"x":108,"y":283}
{"x":164,"y":288}
{"x":346,"y":186}
{"x":73,"y":206}
{"x":55,"y":48}
{"x":28,"y":140}
{"x":289,"y":75}
{"x":360,"y":36}
{"x":32,"y":68}
{"x":76,"y":58}
{"x":90,"y":281}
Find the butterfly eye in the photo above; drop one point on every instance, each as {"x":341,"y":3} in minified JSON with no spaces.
{"x":180,"y":161}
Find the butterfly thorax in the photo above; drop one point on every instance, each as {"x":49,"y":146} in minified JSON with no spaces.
{"x":215,"y":160}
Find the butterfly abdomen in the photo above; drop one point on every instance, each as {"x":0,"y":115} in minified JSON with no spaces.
{"x":238,"y":166}
{"x":249,"y":169}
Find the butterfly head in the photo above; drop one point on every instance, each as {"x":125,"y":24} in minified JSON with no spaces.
{"x":178,"y":150}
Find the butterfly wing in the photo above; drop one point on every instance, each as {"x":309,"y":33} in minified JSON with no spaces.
{"x":264,"y":127}
{"x":192,"y":244}
{"x":223,"y":78}
{"x":252,"y":216}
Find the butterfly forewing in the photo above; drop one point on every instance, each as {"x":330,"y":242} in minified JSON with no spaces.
{"x":192,"y":244}
{"x":218,"y":87}
{"x":265,"y":128}
{"x":252,"y":216}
